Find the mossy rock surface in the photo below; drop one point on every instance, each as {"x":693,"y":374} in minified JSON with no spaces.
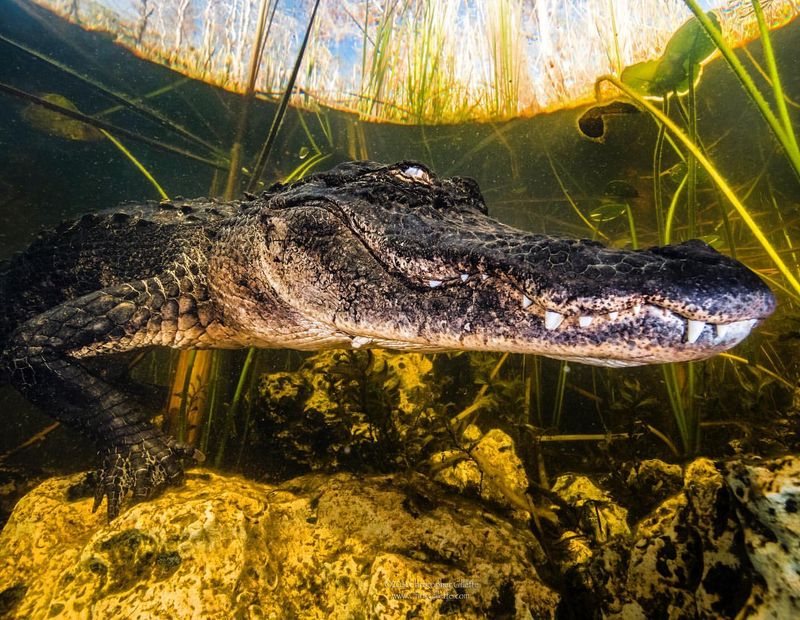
{"x":320,"y":546}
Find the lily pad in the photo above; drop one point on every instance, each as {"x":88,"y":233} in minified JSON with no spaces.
{"x":681,"y":62}
{"x":55,"y":124}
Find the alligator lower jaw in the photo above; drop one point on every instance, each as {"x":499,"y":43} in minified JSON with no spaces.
{"x":645,"y":335}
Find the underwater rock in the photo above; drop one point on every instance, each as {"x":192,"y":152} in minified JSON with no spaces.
{"x":489,"y":469}
{"x":653,"y":481}
{"x":347,"y":408}
{"x":316,"y":547}
{"x":725,"y":545}
{"x":598,"y":515}
{"x":687,"y":557}
{"x":767,"y":499}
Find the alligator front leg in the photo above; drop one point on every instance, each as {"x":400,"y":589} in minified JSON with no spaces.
{"x":43,"y":360}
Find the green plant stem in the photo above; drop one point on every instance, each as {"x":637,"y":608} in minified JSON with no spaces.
{"x":632,"y":227}
{"x":772,"y":68}
{"x":231,"y":413}
{"x":788,"y":143}
{"x":676,"y":404}
{"x":187,"y":380}
{"x":212,"y":404}
{"x":715,"y":176}
{"x":691,"y":162}
{"x":689,"y":406}
{"x":261,"y":162}
{"x":249,"y":411}
{"x":563,"y":369}
{"x":658,"y":154}
{"x":136,"y":163}
{"x":672,"y":208}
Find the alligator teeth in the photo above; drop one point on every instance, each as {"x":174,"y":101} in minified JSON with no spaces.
{"x":360,"y":341}
{"x":552,"y":319}
{"x":584,"y":321}
{"x":637,"y":308}
{"x":613,"y":315}
{"x":693,"y":330}
{"x":526,"y":302}
{"x":722,"y":329}
{"x":464,"y":277}
{"x":434,"y":283}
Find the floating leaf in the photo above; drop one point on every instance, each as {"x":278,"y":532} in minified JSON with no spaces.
{"x":680,"y":62}
{"x":55,"y":124}
{"x":608,"y":211}
{"x":592,"y":123}
{"x":620,"y":189}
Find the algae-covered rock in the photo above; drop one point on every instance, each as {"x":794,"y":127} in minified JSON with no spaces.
{"x":489,"y":468}
{"x":350,"y":408}
{"x":316,"y":547}
{"x":599,"y":515}
{"x":693,"y":543}
{"x":723,"y":545}
{"x":767,"y":501}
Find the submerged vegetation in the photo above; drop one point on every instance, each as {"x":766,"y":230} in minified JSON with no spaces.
{"x":378,"y":410}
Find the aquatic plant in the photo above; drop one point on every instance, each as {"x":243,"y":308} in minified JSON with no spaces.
{"x":669,"y":78}
{"x":429,"y":61}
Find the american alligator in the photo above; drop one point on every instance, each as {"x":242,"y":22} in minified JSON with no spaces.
{"x":365,"y":255}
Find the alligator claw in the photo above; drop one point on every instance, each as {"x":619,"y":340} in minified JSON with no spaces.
{"x":142,"y":469}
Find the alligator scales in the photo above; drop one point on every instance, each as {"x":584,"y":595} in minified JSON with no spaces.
{"x":365,"y":255}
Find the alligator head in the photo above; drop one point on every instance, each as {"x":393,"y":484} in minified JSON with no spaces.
{"x":394,"y":256}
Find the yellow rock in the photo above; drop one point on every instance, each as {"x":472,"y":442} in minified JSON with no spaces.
{"x":316,"y":547}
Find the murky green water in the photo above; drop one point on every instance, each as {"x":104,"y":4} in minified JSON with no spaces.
{"x":373,"y":411}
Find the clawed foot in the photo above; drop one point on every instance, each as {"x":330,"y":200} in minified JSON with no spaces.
{"x":143,"y":468}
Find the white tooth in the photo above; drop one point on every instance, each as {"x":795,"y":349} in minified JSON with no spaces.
{"x":434,"y":283}
{"x":484,"y":276}
{"x":552,"y":319}
{"x":613,"y":315}
{"x":584,"y":321}
{"x":722,"y":329}
{"x":526,"y":302}
{"x":360,"y":341}
{"x":694,"y":329}
{"x":637,"y":308}
{"x":464,"y":277}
